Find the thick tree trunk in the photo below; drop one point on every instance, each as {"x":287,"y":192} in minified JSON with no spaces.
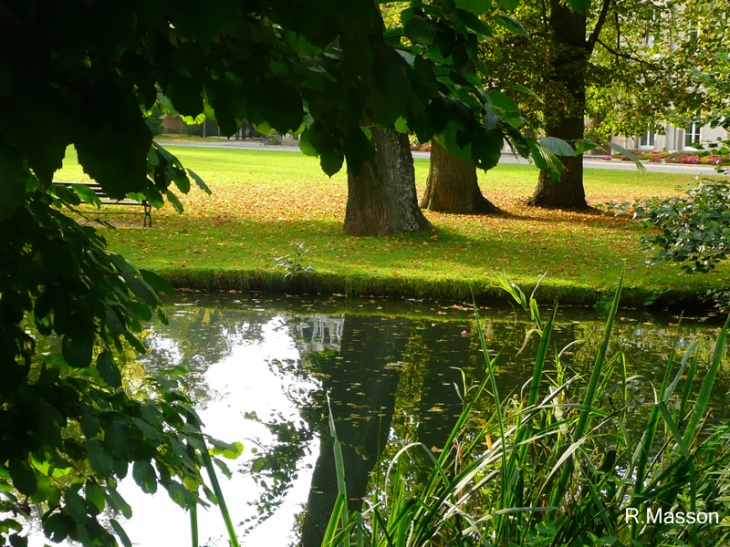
{"x":452,"y":186}
{"x":384,"y":202}
{"x":569,"y":60}
{"x":566,"y":192}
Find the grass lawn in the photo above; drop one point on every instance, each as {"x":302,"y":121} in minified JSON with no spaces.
{"x":264,"y":201}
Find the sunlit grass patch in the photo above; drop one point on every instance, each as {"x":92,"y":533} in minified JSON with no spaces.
{"x":264,"y":201}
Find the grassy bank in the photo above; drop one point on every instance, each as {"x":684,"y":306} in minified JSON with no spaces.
{"x":265,"y":201}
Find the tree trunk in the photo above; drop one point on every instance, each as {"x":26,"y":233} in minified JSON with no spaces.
{"x":452,"y":186}
{"x":385,"y":202}
{"x":567,"y":192}
{"x":569,"y":60}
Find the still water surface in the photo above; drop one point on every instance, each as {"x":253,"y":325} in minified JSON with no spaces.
{"x":394,"y":371}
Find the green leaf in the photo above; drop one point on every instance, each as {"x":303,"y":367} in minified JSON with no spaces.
{"x":511,"y":24}
{"x":622,"y":150}
{"x":158,"y":283}
{"x":100,"y":461}
{"x":182,"y":182}
{"x":305,"y":145}
{"x":121,"y":533}
{"x":584,"y":145}
{"x":420,"y":30}
{"x":77,"y":350}
{"x":223,"y":467}
{"x":230,"y":451}
{"x":471,"y":22}
{"x":545,"y":160}
{"x":557,"y":147}
{"x":90,"y":424}
{"x":172,"y":198}
{"x":528,"y":91}
{"x":281,"y":104}
{"x":118,"y":503}
{"x":108,"y":369}
{"x":58,"y":526}
{"x":18,"y":541}
{"x":487,"y":149}
{"x":201,"y":184}
{"x":145,"y":476}
{"x":178,"y":493}
{"x":75,"y":506}
{"x":501,"y":102}
{"x":147,"y":430}
{"x":86,"y":194}
{"x":331,"y":162}
{"x":448,"y":139}
{"x":185,"y":96}
{"x":116,"y":440}
{"x":477,"y":7}
{"x":95,"y":498}
{"x":264,"y":128}
{"x":151,"y":414}
{"x":24,"y":480}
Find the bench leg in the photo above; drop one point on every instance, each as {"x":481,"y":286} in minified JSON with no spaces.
{"x":147,"y":215}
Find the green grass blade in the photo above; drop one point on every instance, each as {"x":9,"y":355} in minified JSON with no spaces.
{"x":328,"y":540}
{"x":194,"y":524}
{"x":339,"y":468}
{"x":707,"y":384}
{"x":662,"y":407}
{"x":584,"y":419}
{"x":219,"y":495}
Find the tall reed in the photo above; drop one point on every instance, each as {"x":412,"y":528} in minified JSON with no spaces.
{"x":561,"y":466}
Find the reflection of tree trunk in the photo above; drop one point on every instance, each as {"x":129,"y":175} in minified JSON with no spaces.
{"x":440,"y":405}
{"x":452,"y":186}
{"x":362,"y":394}
{"x":385,"y":202}
{"x":569,"y":54}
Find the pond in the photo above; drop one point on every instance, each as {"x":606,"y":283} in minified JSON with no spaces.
{"x":395,"y":372}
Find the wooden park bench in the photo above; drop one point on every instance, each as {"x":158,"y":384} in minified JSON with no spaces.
{"x":106,"y":200}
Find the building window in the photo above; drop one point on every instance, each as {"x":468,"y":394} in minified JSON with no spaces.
{"x":647,"y":140}
{"x":692,"y":135}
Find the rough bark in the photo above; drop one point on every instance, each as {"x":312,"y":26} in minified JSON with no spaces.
{"x":452,"y":186}
{"x":569,"y":62}
{"x":384,"y":202}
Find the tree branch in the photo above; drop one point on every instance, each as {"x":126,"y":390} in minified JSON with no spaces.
{"x":591,"y":43}
{"x":622,"y":54}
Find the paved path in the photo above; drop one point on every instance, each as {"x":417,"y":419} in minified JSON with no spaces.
{"x":588,"y":162}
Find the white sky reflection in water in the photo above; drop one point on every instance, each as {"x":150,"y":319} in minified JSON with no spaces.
{"x":243,"y":382}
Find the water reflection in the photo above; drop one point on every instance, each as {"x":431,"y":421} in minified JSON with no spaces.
{"x":261,"y":369}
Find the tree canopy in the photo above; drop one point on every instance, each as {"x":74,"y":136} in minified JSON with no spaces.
{"x":87,"y":74}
